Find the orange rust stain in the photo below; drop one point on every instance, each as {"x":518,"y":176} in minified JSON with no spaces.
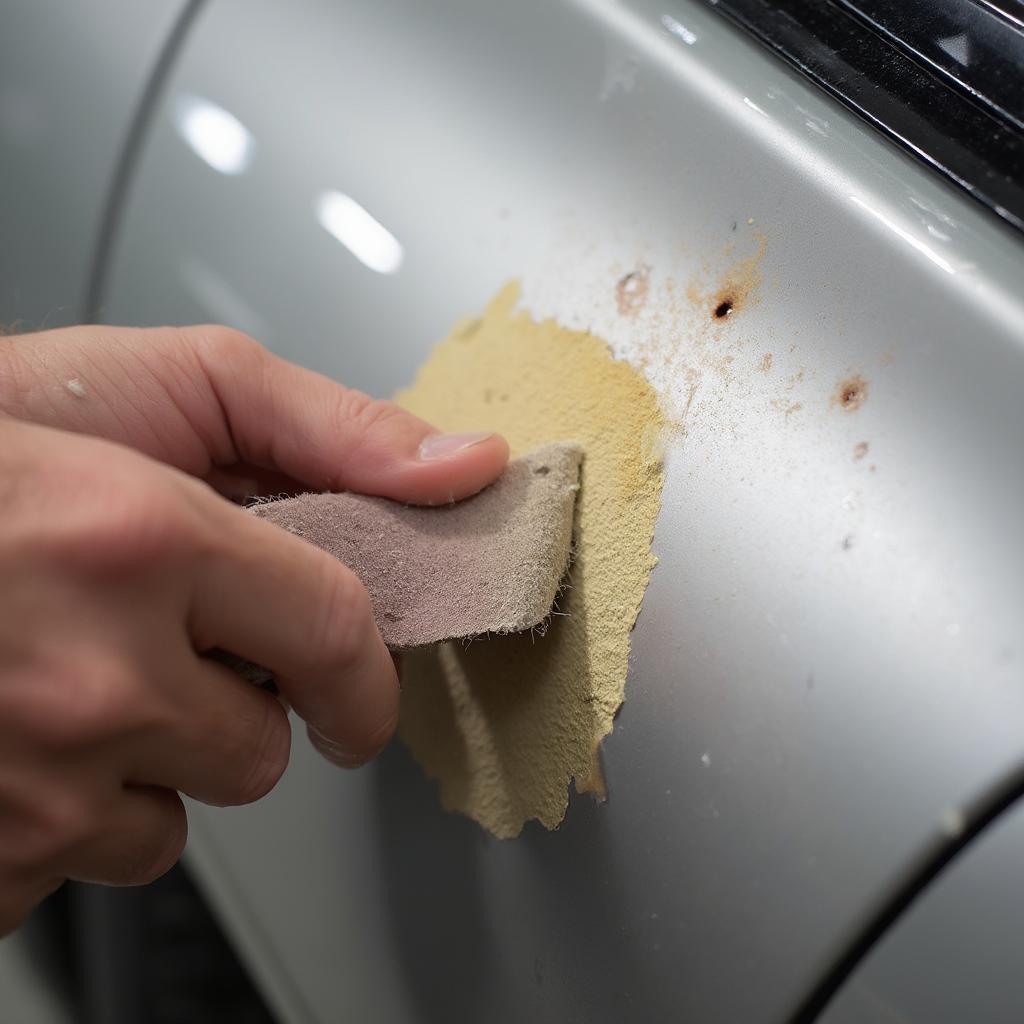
{"x":735,"y":288}
{"x":631,"y":291}
{"x":740,"y":281}
{"x":766,"y":362}
{"x":851,"y":393}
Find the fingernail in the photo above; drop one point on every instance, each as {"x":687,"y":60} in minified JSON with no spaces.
{"x":443,"y":446}
{"x":334,"y":752}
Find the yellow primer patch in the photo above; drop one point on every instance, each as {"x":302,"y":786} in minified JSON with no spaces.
{"x":506,"y":723}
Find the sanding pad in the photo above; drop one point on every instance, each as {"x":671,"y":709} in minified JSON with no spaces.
{"x":489,"y":564}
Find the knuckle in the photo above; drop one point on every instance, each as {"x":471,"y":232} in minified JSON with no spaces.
{"x":224,"y":345}
{"x":142,"y":527}
{"x":359,"y":420}
{"x":368,"y":414}
{"x":146,"y":528}
{"x":98,"y":704}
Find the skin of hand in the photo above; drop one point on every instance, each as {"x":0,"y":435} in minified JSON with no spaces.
{"x":121,"y":565}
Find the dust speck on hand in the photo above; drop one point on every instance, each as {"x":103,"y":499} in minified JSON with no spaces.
{"x":76,"y":387}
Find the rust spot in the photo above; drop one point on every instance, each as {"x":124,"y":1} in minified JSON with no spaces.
{"x":859,"y":451}
{"x":736,"y":286}
{"x":766,"y":362}
{"x":851,"y":394}
{"x":631,"y":291}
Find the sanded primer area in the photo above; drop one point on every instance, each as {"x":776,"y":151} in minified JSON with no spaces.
{"x":505,"y":724}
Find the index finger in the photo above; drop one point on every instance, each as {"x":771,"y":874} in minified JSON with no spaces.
{"x":277,"y":600}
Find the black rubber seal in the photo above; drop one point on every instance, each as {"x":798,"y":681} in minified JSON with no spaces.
{"x":943,"y":81}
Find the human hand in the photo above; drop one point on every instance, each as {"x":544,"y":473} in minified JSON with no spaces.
{"x":119,"y":571}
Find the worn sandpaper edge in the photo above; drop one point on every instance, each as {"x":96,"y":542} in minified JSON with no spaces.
{"x":260,"y":676}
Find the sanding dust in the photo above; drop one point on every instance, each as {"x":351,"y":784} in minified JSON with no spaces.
{"x":506,"y":723}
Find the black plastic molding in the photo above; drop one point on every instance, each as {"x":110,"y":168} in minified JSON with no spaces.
{"x":942,"y":78}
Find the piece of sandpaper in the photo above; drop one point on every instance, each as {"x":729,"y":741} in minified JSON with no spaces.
{"x":489,"y":564}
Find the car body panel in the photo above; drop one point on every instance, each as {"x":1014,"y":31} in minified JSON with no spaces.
{"x":956,"y":954}
{"x":71,"y":76}
{"x":828,"y":657}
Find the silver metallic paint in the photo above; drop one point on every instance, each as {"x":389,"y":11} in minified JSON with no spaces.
{"x":828,"y":659}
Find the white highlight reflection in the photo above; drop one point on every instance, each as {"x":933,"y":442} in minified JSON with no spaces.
{"x":753,"y":106}
{"x":958,"y":47}
{"x":678,"y":29}
{"x":216,"y":136}
{"x":907,"y":237}
{"x":362,"y":234}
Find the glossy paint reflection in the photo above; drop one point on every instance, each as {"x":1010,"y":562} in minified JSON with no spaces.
{"x":361,"y":233}
{"x":214,"y":134}
{"x":906,"y":236}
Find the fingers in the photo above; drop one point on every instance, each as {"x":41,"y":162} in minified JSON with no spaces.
{"x":283,"y":417}
{"x":227,"y":744}
{"x":204,"y":398}
{"x":131,"y":836}
{"x":278,"y":601}
{"x":140,"y":837}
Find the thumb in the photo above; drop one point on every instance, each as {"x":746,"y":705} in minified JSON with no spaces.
{"x":291,"y":420}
